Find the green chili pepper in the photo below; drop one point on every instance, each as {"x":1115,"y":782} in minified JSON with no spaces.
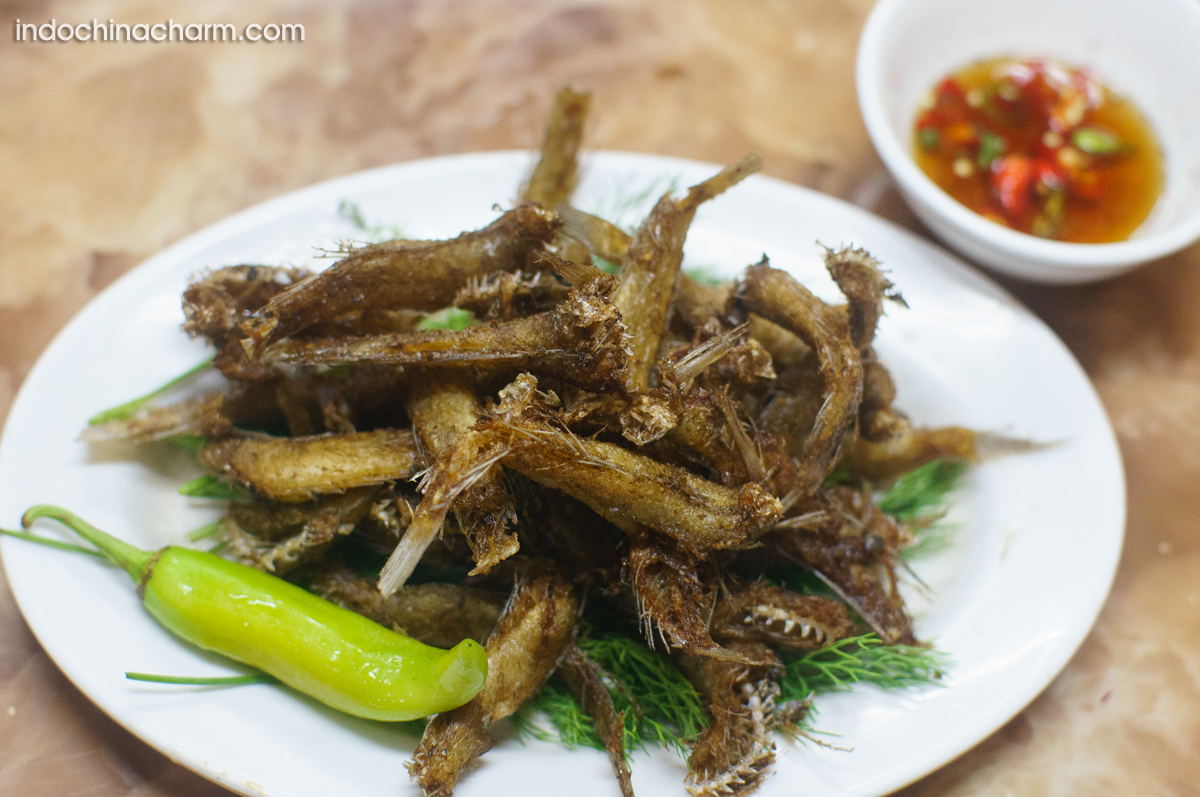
{"x":928,"y":138}
{"x":991,"y":146}
{"x":1095,"y":141}
{"x":329,"y":653}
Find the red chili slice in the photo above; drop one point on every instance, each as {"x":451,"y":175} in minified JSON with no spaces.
{"x":1012,"y":179}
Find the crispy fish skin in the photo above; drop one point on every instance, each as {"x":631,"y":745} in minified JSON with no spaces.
{"x":400,"y":274}
{"x":779,"y":298}
{"x":854,"y":545}
{"x":780,"y":618}
{"x":296,"y":469}
{"x":216,"y":303}
{"x":622,"y":486}
{"x":533,"y":633}
{"x":580,"y":341}
{"x":443,"y":407}
{"x":651,"y":266}
{"x":503,"y":296}
{"x":553,"y":178}
{"x":672,"y":600}
{"x":335,"y":516}
{"x":437,"y":614}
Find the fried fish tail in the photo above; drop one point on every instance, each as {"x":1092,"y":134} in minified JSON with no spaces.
{"x":583,"y":678}
{"x":651,"y":266}
{"x":553,"y":178}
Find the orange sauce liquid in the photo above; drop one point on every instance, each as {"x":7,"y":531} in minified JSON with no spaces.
{"x":1130,"y":182}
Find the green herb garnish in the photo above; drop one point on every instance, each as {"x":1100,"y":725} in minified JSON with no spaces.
{"x":928,"y":138}
{"x":990,"y":147}
{"x":607,"y":266}
{"x":127,"y":410}
{"x":376,"y":232}
{"x":705,"y":275}
{"x":209,"y":486}
{"x":860,"y":659}
{"x":1097,"y":141}
{"x":921,"y":492}
{"x":671,"y":708}
{"x":451,"y":318}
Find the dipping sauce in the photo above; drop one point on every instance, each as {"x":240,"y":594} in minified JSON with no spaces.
{"x":1042,"y":148}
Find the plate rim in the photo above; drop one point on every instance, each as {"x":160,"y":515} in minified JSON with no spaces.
{"x":263,"y":212}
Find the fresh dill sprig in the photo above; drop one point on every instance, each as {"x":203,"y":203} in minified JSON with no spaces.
{"x":572,"y":727}
{"x":860,"y":659}
{"x":919,"y":499}
{"x":607,"y":266}
{"x":130,"y":408}
{"x":705,"y":275}
{"x":671,"y":709}
{"x":188,"y":442}
{"x":376,"y":232}
{"x":452,"y":318}
{"x":206,"y":531}
{"x":209,"y":486}
{"x":671,"y":706}
{"x":929,"y":540}
{"x":922,"y":491}
{"x":627,"y":202}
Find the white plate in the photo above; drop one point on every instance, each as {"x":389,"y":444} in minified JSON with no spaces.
{"x":1014,"y":597}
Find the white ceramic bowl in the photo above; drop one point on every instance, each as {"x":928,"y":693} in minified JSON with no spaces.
{"x":1145,"y":50}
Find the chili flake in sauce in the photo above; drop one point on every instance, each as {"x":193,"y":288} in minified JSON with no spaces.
{"x":1042,"y":148}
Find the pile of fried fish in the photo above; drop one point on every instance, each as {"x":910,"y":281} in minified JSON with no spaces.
{"x":642,"y":442}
